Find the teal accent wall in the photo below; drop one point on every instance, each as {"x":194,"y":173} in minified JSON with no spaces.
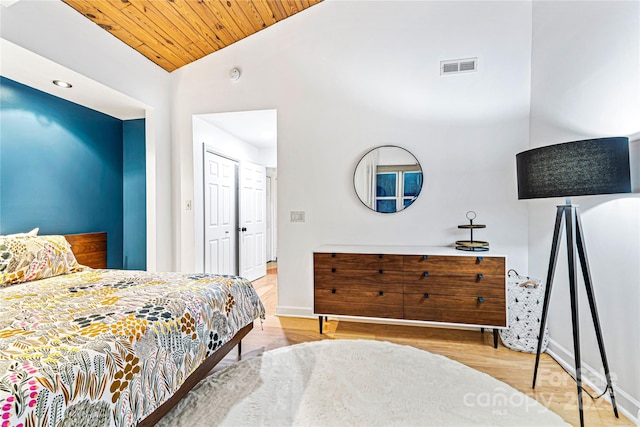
{"x":134,"y":195}
{"x":61,"y":167}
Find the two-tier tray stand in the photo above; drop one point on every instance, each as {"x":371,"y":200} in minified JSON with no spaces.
{"x":472,"y":245}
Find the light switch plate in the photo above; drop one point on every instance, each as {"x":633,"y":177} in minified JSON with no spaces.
{"x":297,"y":216}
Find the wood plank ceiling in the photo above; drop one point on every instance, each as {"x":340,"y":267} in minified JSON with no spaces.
{"x":173,"y":33}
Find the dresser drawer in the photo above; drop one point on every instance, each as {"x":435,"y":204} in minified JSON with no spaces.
{"x":458,"y":309}
{"x":358,"y":303}
{"x":454,"y":264}
{"x":358,"y":261}
{"x":455,"y":284}
{"x":362,"y":280}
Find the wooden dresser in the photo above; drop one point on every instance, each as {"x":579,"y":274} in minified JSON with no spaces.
{"x":432,"y":284}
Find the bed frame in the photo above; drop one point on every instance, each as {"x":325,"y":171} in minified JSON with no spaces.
{"x":90,"y":249}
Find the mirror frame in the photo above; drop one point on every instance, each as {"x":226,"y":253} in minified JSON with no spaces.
{"x":365,"y":155}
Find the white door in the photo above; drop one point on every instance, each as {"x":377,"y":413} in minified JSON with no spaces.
{"x":252,"y":221}
{"x":220,"y":201}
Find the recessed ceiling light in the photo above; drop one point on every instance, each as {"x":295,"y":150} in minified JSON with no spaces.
{"x":62,"y":83}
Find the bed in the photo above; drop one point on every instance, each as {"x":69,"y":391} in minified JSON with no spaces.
{"x":86,"y":346}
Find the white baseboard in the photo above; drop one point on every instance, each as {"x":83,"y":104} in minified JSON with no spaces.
{"x":626,"y":403}
{"x":287,"y":311}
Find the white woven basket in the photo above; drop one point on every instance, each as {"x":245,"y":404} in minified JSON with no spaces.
{"x":525,"y":298}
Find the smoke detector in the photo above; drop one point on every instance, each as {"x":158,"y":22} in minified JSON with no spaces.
{"x":234,"y":74}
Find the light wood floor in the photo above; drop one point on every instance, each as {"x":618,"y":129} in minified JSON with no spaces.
{"x":554,"y":388}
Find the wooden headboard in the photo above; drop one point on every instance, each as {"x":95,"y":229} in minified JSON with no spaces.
{"x":90,"y":249}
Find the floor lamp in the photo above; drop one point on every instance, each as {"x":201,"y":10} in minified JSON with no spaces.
{"x":578,"y":168}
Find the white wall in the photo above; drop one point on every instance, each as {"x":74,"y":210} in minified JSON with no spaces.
{"x":585,"y":83}
{"x":57,"y":32}
{"x":223,"y":142}
{"x":348,"y":76}
{"x":269,"y":157}
{"x":391,"y":156}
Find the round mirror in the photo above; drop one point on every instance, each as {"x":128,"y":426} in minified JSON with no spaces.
{"x":388,"y":179}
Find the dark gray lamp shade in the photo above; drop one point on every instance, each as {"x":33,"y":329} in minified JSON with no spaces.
{"x":578,"y":168}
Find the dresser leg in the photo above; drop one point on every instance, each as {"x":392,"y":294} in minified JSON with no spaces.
{"x":320,"y":322}
{"x":495,"y":338}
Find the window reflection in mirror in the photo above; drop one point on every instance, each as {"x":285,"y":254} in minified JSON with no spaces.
{"x":388,"y":179}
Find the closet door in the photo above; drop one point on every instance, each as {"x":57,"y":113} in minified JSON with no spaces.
{"x":220,"y":201}
{"x":252,"y":221}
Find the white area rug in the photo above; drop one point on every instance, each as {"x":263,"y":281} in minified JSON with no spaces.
{"x":358,"y":383}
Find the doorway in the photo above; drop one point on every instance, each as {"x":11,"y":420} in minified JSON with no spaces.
{"x":235,"y":217}
{"x":232,"y":152}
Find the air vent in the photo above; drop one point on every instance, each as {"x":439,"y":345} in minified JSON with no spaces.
{"x":452,"y":67}
{"x":456,"y":66}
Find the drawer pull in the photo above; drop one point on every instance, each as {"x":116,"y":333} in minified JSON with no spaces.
{"x":426,"y":295}
{"x":425,"y":256}
{"x":333,"y":291}
{"x":333,"y":255}
{"x":480,"y":299}
{"x":380,"y":271}
{"x":480,"y":276}
{"x":333,"y":270}
{"x":380,"y":256}
{"x":479,"y":259}
{"x":426,"y":274}
{"x":381,"y":293}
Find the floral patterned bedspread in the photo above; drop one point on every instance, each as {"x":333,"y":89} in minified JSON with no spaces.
{"x":107,"y":347}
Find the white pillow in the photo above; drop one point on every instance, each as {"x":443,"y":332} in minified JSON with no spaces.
{"x":33,"y":232}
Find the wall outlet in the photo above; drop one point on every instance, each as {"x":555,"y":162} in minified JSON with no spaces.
{"x":297,"y":216}
{"x":187,"y":205}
